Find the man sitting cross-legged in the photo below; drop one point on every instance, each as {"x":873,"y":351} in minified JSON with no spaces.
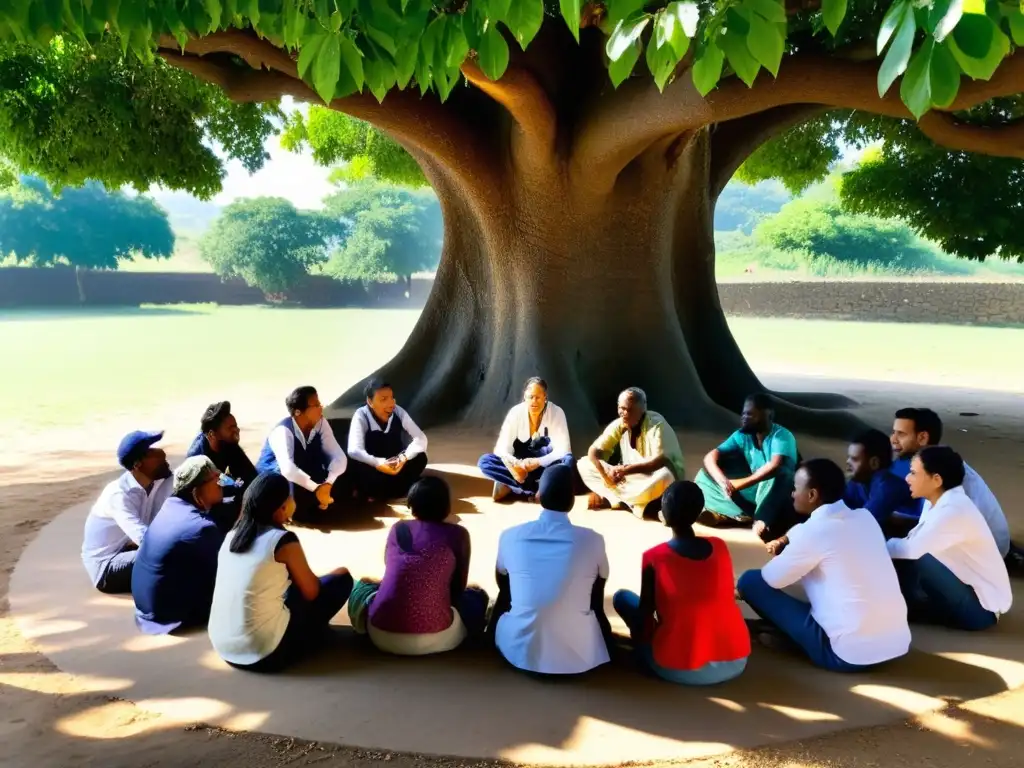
{"x":304,"y":449}
{"x":856,"y":617}
{"x":871,"y":485}
{"x":387,"y":448}
{"x":651,"y":457}
{"x":219,"y":440}
{"x":750,"y":475}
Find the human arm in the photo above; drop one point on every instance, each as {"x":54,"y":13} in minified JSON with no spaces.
{"x":338,"y":460}
{"x":937,"y":532}
{"x":602,"y":448}
{"x":885,"y":497}
{"x":505,"y":446}
{"x":126,"y":509}
{"x":294,"y":559}
{"x":800,"y":557}
{"x":764,"y":473}
{"x":558,"y":432}
{"x":783,"y":447}
{"x":463,"y":551}
{"x":655,"y":448}
{"x":419,"y":439}
{"x":357,"y":442}
{"x":646,"y":619}
{"x":282,"y":443}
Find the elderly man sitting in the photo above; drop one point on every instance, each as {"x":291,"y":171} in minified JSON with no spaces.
{"x":651,"y":459}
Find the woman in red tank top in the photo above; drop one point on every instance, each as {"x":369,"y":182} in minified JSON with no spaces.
{"x":685,"y":623}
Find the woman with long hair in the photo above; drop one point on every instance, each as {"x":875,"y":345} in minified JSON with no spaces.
{"x":269,"y":608}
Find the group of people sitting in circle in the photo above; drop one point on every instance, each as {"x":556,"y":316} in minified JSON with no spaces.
{"x":910,"y":534}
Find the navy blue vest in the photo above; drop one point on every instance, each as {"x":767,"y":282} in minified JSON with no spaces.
{"x":311,"y":459}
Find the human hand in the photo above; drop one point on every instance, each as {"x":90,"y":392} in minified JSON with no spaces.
{"x":775,"y":546}
{"x":519,"y":472}
{"x":323,"y":495}
{"x":617,"y":475}
{"x":399,"y":462}
{"x":727,"y":487}
{"x":760,"y":528}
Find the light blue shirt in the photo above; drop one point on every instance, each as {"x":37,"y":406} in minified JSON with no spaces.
{"x":552,"y":565}
{"x":778,"y":441}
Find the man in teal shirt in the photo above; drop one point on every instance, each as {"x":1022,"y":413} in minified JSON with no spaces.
{"x":750,"y":475}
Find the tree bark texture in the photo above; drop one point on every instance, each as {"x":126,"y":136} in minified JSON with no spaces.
{"x":578,"y":223}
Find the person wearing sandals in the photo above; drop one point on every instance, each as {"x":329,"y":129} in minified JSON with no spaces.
{"x":269,"y":609}
{"x":533,"y":437}
{"x":685,"y":624}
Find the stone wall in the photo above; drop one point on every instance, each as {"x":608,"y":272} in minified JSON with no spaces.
{"x":908,"y":301}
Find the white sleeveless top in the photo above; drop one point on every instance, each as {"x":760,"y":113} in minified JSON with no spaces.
{"x":248,"y":617}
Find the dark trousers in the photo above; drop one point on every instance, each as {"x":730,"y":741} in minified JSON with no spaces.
{"x":117,"y":575}
{"x":371,"y":483}
{"x":494,"y":469}
{"x":307,"y":508}
{"x":935,"y":596}
{"x":308,"y":622}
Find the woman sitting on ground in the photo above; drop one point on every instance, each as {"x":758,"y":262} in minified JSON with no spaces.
{"x":685,"y":624}
{"x":534,"y":436}
{"x":422,"y":605}
{"x":949,"y":566}
{"x":269,"y":609}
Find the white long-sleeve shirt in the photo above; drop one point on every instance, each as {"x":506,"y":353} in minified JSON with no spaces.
{"x":977,"y":490}
{"x":282,"y":443}
{"x":956,"y":534}
{"x":517,"y":426}
{"x":840,"y":559}
{"x":364,"y":419}
{"x":121,"y":514}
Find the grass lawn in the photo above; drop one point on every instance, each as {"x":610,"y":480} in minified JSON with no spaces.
{"x":72,"y":368}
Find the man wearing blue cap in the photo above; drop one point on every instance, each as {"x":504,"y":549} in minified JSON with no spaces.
{"x":118,"y":520}
{"x":549,"y":618}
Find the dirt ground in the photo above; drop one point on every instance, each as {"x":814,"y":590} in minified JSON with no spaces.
{"x":51,"y":718}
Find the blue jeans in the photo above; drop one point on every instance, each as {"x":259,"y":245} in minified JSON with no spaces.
{"x":793,"y":618}
{"x":494,"y":469}
{"x":627,"y":605}
{"x":935,"y":596}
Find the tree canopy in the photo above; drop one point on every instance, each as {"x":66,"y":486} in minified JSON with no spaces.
{"x":391,"y":232}
{"x":267,"y":242}
{"x":86,"y":227}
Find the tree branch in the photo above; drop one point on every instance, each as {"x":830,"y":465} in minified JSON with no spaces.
{"x":999,"y":141}
{"x":519,"y":92}
{"x":733,"y":141}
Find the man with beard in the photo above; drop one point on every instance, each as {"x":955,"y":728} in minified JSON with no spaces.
{"x":218,"y":440}
{"x":118,"y":520}
{"x":387,"y":448}
{"x":871,"y":485}
{"x":749,"y":477}
{"x":917,"y":428}
{"x":650,"y":458}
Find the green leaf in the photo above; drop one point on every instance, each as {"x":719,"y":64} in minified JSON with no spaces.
{"x":294,"y":25}
{"x":661,"y":61}
{"x":130,"y":16}
{"x":890,"y":22}
{"x":708,"y":68}
{"x":772,"y":10}
{"x":335,"y":22}
{"x":737,"y":21}
{"x":327,"y":68}
{"x":687,"y":14}
{"x":248,"y":8}
{"x":833,"y":11}
{"x":493,"y":53}
{"x":571,"y":13}
{"x":497,"y":10}
{"x":738,"y":55}
{"x":943,"y":16}
{"x":898,"y":56}
{"x":215,"y":9}
{"x":524,"y":19}
{"x":668,"y":30}
{"x":458,"y":46}
{"x":621,"y":68}
{"x":945,"y":74}
{"x":380,"y":76}
{"x":916,"y":88}
{"x":352,"y":58}
{"x":766,"y":43}
{"x":1016,"y":19}
{"x":433,"y":38}
{"x":626,"y":34}
{"x":308,"y":52}
{"x":405,"y":62}
{"x":974,"y":35}
{"x":983,"y":68}
{"x":617,"y":10}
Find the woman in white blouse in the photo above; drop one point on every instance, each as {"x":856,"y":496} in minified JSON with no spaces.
{"x":533,"y":437}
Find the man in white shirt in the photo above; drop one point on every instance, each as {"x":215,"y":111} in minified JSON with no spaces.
{"x":950,"y":570}
{"x":856,"y":617}
{"x":120,"y":517}
{"x":302,"y":447}
{"x":387,"y":448}
{"x":549,"y":617}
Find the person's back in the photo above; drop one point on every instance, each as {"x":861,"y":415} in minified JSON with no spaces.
{"x":249,"y":617}
{"x":853,"y":590}
{"x":699,"y":621}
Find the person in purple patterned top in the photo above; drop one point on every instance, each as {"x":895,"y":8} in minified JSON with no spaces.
{"x":423,"y":604}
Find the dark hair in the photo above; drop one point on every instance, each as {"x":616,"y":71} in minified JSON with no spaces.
{"x":538,"y":381}
{"x":298,"y":400}
{"x":430,"y":499}
{"x":260,"y":501}
{"x":943,"y":461}
{"x":214,"y":416}
{"x":760,"y":400}
{"x":876,"y":446}
{"x":825,"y":476}
{"x":682,"y":504}
{"x":373,"y":386}
{"x":925,"y":420}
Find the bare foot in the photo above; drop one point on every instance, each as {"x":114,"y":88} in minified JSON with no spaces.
{"x":500,"y":492}
{"x":594,"y":501}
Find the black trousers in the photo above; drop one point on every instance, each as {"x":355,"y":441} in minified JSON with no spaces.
{"x":370,"y":483}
